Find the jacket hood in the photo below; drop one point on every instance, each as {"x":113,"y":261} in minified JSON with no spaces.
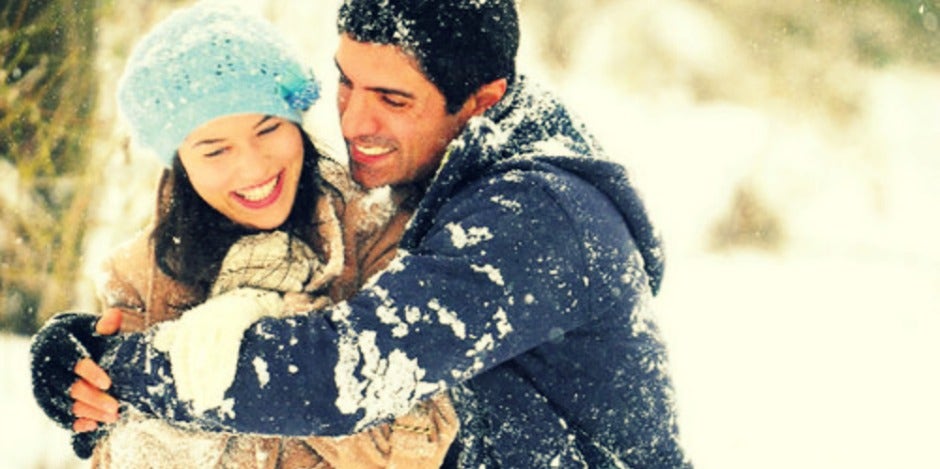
{"x":530,"y":128}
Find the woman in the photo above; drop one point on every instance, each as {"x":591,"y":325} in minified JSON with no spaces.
{"x":248,"y":211}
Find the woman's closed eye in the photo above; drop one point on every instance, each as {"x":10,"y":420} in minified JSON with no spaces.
{"x":216,"y":152}
{"x":269,"y":129}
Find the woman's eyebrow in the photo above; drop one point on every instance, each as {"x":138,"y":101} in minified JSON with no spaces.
{"x":263,"y":120}
{"x":208,"y":141}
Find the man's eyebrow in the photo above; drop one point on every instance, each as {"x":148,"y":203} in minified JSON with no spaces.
{"x":339,"y":69}
{"x":379,"y":89}
{"x":375,"y":89}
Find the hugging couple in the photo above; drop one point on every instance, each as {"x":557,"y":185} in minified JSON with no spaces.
{"x":474,"y":290}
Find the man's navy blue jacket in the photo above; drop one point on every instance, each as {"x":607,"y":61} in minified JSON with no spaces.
{"x":522,"y":286}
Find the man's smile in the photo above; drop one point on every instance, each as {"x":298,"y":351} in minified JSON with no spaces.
{"x":369,"y":153}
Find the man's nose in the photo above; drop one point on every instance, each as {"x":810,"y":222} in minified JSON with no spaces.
{"x":357,"y":117}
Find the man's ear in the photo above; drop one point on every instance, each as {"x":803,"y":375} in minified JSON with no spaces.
{"x":485,"y":97}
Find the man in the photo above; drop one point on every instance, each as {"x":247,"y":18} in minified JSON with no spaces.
{"x":522,"y":284}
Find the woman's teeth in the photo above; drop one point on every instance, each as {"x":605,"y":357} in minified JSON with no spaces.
{"x":259,"y":192}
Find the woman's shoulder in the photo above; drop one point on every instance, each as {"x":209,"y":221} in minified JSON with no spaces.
{"x":131,"y":254}
{"x":360,"y":210}
{"x":337,"y":177}
{"x":121,"y":276}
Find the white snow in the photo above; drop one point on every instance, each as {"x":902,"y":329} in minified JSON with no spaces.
{"x":820,"y":354}
{"x":491,"y":272}
{"x":502,"y":323}
{"x":512,"y":205}
{"x":261,"y":369}
{"x":448,"y":318}
{"x":29,"y":438}
{"x":462,"y":237}
{"x":360,"y":357}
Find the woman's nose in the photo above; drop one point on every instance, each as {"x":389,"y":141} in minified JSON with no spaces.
{"x":253,"y":159}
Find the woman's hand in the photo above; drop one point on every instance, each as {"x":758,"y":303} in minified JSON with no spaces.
{"x":67,"y":383}
{"x":93,"y":405}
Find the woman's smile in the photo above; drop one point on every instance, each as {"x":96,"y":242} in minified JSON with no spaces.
{"x":261,"y":195}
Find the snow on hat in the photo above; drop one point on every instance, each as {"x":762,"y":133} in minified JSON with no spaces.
{"x":208,"y":61}
{"x":459,"y":44}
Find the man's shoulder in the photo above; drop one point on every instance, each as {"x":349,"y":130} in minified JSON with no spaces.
{"x":525,"y":174}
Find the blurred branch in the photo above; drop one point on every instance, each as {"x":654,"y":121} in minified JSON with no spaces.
{"x":47,"y":91}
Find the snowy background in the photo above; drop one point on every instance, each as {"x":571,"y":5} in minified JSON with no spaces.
{"x":795,"y":186}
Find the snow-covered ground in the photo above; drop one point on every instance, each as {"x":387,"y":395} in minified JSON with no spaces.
{"x":28,"y":440}
{"x":816,"y":353}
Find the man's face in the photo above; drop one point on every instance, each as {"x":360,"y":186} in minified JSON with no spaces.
{"x":393,"y":119}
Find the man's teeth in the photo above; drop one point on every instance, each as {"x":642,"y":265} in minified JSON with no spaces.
{"x":260,"y":192}
{"x":373,"y":151}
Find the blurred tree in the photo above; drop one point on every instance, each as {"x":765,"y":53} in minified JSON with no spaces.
{"x":559,"y":25}
{"x":47,"y":96}
{"x":748,"y":222}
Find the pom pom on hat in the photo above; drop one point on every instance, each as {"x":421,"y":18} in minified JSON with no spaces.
{"x":207,"y":61}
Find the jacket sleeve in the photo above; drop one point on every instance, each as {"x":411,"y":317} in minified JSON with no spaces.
{"x":121,"y":280}
{"x":497,"y":274}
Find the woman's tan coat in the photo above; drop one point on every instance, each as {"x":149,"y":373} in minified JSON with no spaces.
{"x":369,"y":232}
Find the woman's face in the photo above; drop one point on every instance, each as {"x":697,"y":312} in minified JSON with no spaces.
{"x":246,"y":166}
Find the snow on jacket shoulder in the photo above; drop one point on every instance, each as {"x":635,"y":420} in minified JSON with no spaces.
{"x":522,"y":284}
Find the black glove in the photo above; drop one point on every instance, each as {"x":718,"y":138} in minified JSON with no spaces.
{"x":84,"y":443}
{"x":55,"y":350}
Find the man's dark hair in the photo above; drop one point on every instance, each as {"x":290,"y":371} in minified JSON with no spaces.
{"x":191,"y":238}
{"x":460,"y":45}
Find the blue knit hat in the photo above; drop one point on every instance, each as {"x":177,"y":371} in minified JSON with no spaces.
{"x":208,"y":61}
